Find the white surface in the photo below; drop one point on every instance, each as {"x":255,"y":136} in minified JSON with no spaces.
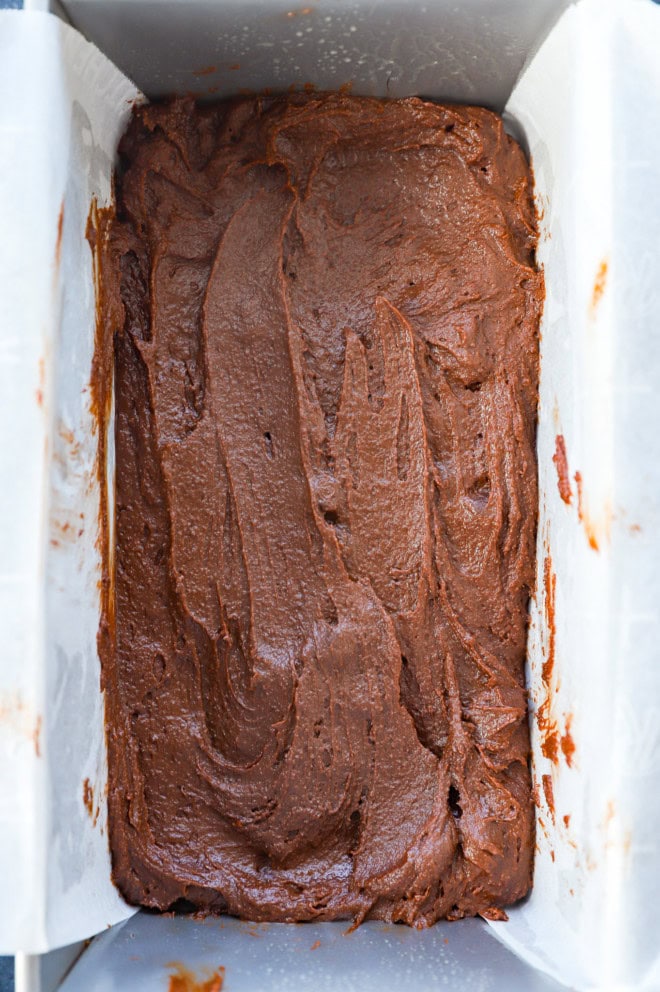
{"x":140,"y":955}
{"x":25,"y":322}
{"x":588,"y":110}
{"x":63,"y":109}
{"x":466,"y":50}
{"x":586,"y":105}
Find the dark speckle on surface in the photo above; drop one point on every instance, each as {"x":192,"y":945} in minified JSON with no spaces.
{"x":6,"y":974}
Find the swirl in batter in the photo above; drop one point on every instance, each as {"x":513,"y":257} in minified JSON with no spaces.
{"x":326,"y":371}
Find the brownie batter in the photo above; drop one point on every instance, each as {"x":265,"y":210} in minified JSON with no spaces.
{"x":326,"y":385}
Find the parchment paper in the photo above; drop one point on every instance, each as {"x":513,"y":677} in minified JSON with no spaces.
{"x":63,"y":108}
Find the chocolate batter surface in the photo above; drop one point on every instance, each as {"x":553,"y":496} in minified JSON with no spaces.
{"x":326,"y":387}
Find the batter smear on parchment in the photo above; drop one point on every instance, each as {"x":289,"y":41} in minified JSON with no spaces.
{"x":326,"y":360}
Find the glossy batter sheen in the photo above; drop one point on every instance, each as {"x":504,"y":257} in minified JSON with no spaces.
{"x":326,"y":387}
